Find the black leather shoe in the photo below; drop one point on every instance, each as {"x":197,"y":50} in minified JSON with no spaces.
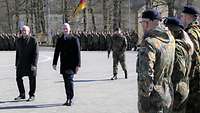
{"x":68,"y":103}
{"x":126,"y":77}
{"x":31,"y":98}
{"x":114,"y":77}
{"x":19,"y":98}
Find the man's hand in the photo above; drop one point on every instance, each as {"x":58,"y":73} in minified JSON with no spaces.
{"x":33,"y":68}
{"x":77,"y":69}
{"x":54,"y":67}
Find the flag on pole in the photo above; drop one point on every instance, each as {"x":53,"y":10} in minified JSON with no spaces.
{"x":80,"y":7}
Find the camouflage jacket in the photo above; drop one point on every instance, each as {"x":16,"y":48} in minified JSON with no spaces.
{"x":118,"y":44}
{"x":193,"y":31}
{"x":180,"y":75}
{"x":154,"y":66}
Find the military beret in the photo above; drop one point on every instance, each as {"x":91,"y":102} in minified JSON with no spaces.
{"x":190,"y":10}
{"x":117,"y":29}
{"x":173,"y":21}
{"x":151,"y":14}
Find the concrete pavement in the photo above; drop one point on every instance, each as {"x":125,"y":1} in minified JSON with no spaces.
{"x":94,"y":92}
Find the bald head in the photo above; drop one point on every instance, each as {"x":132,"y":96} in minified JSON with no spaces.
{"x":66,"y":28}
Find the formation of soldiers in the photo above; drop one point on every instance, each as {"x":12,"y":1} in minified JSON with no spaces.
{"x":89,"y":41}
{"x":7,"y":41}
{"x":99,"y":41}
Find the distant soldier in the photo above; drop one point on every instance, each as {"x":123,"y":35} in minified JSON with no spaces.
{"x":2,"y":44}
{"x":192,"y":27}
{"x":183,"y":52}
{"x":108,"y":39}
{"x":154,"y":65}
{"x":134,"y":40}
{"x":6,"y":42}
{"x":12,"y":41}
{"x":90,"y":41}
{"x":118,"y":45}
{"x":96,"y":41}
{"x":128,"y":38}
{"x":54,"y":38}
{"x":83,"y":41}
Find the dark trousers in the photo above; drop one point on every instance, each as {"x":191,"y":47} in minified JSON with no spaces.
{"x":69,"y":85}
{"x":32,"y":84}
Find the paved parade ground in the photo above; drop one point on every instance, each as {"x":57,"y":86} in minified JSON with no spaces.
{"x":94,"y":92}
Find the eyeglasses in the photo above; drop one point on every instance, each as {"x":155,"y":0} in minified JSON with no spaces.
{"x":143,"y":21}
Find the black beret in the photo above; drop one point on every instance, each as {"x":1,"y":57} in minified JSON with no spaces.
{"x":190,"y":10}
{"x":117,"y":29}
{"x":173,"y":21}
{"x":151,"y":14}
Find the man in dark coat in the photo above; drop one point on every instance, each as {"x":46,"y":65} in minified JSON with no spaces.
{"x":26,"y":62}
{"x":68,"y":48}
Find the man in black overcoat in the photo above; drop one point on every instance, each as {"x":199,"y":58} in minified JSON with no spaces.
{"x":26,"y":62}
{"x":68,"y":48}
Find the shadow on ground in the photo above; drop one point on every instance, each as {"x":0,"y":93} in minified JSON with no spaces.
{"x":30,"y":106}
{"x":89,"y":80}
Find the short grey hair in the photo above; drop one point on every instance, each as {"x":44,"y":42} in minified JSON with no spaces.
{"x":67,"y":25}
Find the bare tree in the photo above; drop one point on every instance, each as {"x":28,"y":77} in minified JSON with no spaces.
{"x":115,"y":13}
{"x":119,"y":13}
{"x":149,"y":4}
{"x":17,"y":14}
{"x":65,"y":11}
{"x":32,"y":16}
{"x":8,"y":16}
{"x":27,"y":11}
{"x":41,"y":16}
{"x":90,"y":10}
{"x":84,"y":20}
{"x":171,"y":7}
{"x":105,"y":15}
{"x":189,"y":2}
{"x":110,"y":16}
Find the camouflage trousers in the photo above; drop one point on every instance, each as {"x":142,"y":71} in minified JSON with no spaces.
{"x":193,"y":103}
{"x":179,"y":108}
{"x":146,"y":106}
{"x":116,"y":59}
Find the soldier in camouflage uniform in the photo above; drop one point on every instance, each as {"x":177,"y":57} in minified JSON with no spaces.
{"x":96,"y":41}
{"x":134,"y":40}
{"x":189,"y":19}
{"x":1,"y":42}
{"x":128,"y":38}
{"x":6,"y":41}
{"x":183,"y":52}
{"x":118,"y":45}
{"x":154,"y":65}
{"x":54,"y":38}
{"x":108,"y":39}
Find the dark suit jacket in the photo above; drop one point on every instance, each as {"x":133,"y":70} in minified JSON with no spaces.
{"x":26,"y":56}
{"x":69,"y":50}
